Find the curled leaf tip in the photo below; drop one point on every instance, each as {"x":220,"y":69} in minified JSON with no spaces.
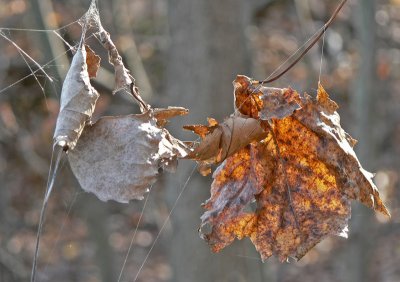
{"x":77,"y":103}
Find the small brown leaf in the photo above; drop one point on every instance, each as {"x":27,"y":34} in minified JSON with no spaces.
{"x":119,"y":158}
{"x":220,"y":141}
{"x":163,"y":115}
{"x":247,"y":96}
{"x":212,"y":122}
{"x":78,"y":99}
{"x":201,"y":130}
{"x":92,"y":61}
{"x":257,"y":101}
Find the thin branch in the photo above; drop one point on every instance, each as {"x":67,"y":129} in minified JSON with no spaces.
{"x":322,"y":32}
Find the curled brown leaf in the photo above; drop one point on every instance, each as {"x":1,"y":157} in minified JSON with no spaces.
{"x":220,"y":141}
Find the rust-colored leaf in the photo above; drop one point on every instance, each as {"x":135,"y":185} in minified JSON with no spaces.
{"x":119,"y":158}
{"x":92,"y":61}
{"x":163,"y":115}
{"x":220,"y":141}
{"x":302,"y":176}
{"x":247,"y":96}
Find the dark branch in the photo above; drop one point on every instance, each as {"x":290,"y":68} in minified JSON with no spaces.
{"x":323,"y":30}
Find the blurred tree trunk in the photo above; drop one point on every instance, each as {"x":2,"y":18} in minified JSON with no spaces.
{"x":207,"y":50}
{"x":363,"y":100}
{"x":52,"y":46}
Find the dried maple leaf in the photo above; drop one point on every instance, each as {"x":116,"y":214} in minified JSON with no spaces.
{"x":220,"y":141}
{"x":302,"y":176}
{"x":78,"y":99}
{"x":119,"y":158}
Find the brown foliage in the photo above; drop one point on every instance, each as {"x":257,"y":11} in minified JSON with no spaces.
{"x":302,"y":176}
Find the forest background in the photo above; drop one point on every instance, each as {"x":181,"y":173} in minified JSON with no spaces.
{"x":187,"y":53}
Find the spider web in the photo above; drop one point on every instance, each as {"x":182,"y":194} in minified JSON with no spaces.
{"x":41,"y":74}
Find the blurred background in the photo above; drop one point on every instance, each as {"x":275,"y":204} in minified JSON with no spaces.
{"x":187,"y":53}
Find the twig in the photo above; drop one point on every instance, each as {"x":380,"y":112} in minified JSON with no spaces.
{"x":322,"y":32}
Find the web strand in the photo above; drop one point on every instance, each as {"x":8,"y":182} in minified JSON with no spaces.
{"x":27,"y":55}
{"x":322,"y":57}
{"x":38,"y":30}
{"x":165,"y":221}
{"x":91,"y":16}
{"x":133,"y":237}
{"x":69,"y":209}
{"x":42,"y":67}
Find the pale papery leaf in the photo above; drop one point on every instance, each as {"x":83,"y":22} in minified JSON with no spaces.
{"x":77,"y":102}
{"x":119,"y":158}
